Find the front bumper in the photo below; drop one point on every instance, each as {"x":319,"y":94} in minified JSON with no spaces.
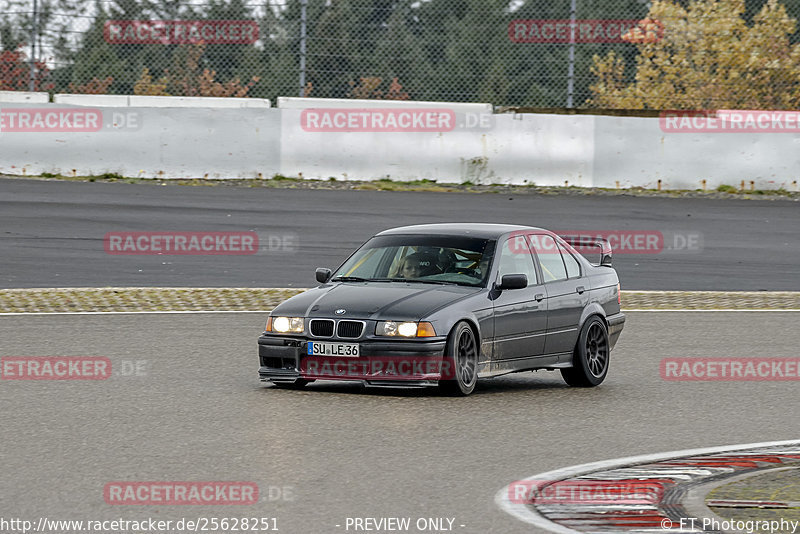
{"x":407,"y":363}
{"x":616,"y":323}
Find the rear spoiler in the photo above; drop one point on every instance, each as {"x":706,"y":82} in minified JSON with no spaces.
{"x":587,"y":241}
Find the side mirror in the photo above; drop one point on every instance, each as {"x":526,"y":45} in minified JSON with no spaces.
{"x":323,"y":275}
{"x":513,"y":281}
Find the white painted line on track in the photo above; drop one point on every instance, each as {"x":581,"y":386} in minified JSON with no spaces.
{"x":748,"y":310}
{"x":530,"y":516}
{"x":708,"y":292}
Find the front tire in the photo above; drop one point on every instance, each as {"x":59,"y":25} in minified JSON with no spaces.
{"x":461,"y":357}
{"x":591,"y":356}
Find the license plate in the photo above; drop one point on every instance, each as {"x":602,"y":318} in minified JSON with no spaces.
{"x":348,"y":350}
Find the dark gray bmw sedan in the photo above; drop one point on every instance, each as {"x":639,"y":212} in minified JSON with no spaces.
{"x":447,"y":304}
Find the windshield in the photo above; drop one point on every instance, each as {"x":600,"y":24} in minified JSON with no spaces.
{"x":418,"y":258}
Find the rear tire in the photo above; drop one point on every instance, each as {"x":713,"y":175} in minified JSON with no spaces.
{"x":591,"y":356}
{"x":461,"y":361}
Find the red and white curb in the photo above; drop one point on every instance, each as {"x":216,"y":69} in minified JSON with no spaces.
{"x":638,"y":494}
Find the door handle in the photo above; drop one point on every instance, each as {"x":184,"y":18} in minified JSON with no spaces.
{"x":539,"y":297}
{"x":580,"y":290}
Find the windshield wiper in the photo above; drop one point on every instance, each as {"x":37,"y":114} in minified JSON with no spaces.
{"x":349,"y":279}
{"x":359,"y":279}
{"x":419,"y":281}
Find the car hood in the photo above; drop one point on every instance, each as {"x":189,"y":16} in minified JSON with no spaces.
{"x":373,"y":300}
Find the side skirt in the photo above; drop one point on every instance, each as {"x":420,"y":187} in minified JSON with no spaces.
{"x":560,"y":360}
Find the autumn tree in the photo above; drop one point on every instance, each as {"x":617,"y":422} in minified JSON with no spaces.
{"x":15,"y":72}
{"x":187,"y":77}
{"x":146,"y":86}
{"x":370,"y":88}
{"x":95,"y":86}
{"x":708,"y":57}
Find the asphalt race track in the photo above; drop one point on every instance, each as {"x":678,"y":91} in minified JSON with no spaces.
{"x":51,"y":233}
{"x":184,"y":402}
{"x":195,"y":411}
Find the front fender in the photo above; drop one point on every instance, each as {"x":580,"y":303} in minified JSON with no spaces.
{"x":482,"y":322}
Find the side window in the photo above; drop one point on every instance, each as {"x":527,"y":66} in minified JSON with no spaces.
{"x":549,"y":257}
{"x":573,"y":269}
{"x":515,"y":258}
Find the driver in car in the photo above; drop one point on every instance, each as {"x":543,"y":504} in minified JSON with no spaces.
{"x":416,"y":265}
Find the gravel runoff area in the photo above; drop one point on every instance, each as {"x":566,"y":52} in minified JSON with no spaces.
{"x":768,"y":496}
{"x":164,"y":299}
{"x":740,"y":190}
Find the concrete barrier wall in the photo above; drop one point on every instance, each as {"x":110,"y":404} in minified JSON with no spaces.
{"x":174,"y":137}
{"x":140,"y":142}
{"x":24,"y":97}
{"x":637,"y":153}
{"x":536,"y":148}
{"x":160,"y":101}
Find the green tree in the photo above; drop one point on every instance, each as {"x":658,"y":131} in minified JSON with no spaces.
{"x":402,"y":56}
{"x":95,"y":57}
{"x":539,"y":71}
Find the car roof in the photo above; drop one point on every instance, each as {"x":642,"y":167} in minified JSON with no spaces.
{"x":481,"y":230}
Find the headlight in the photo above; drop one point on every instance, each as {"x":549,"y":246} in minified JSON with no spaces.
{"x":404,"y":329}
{"x":284,"y":325}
